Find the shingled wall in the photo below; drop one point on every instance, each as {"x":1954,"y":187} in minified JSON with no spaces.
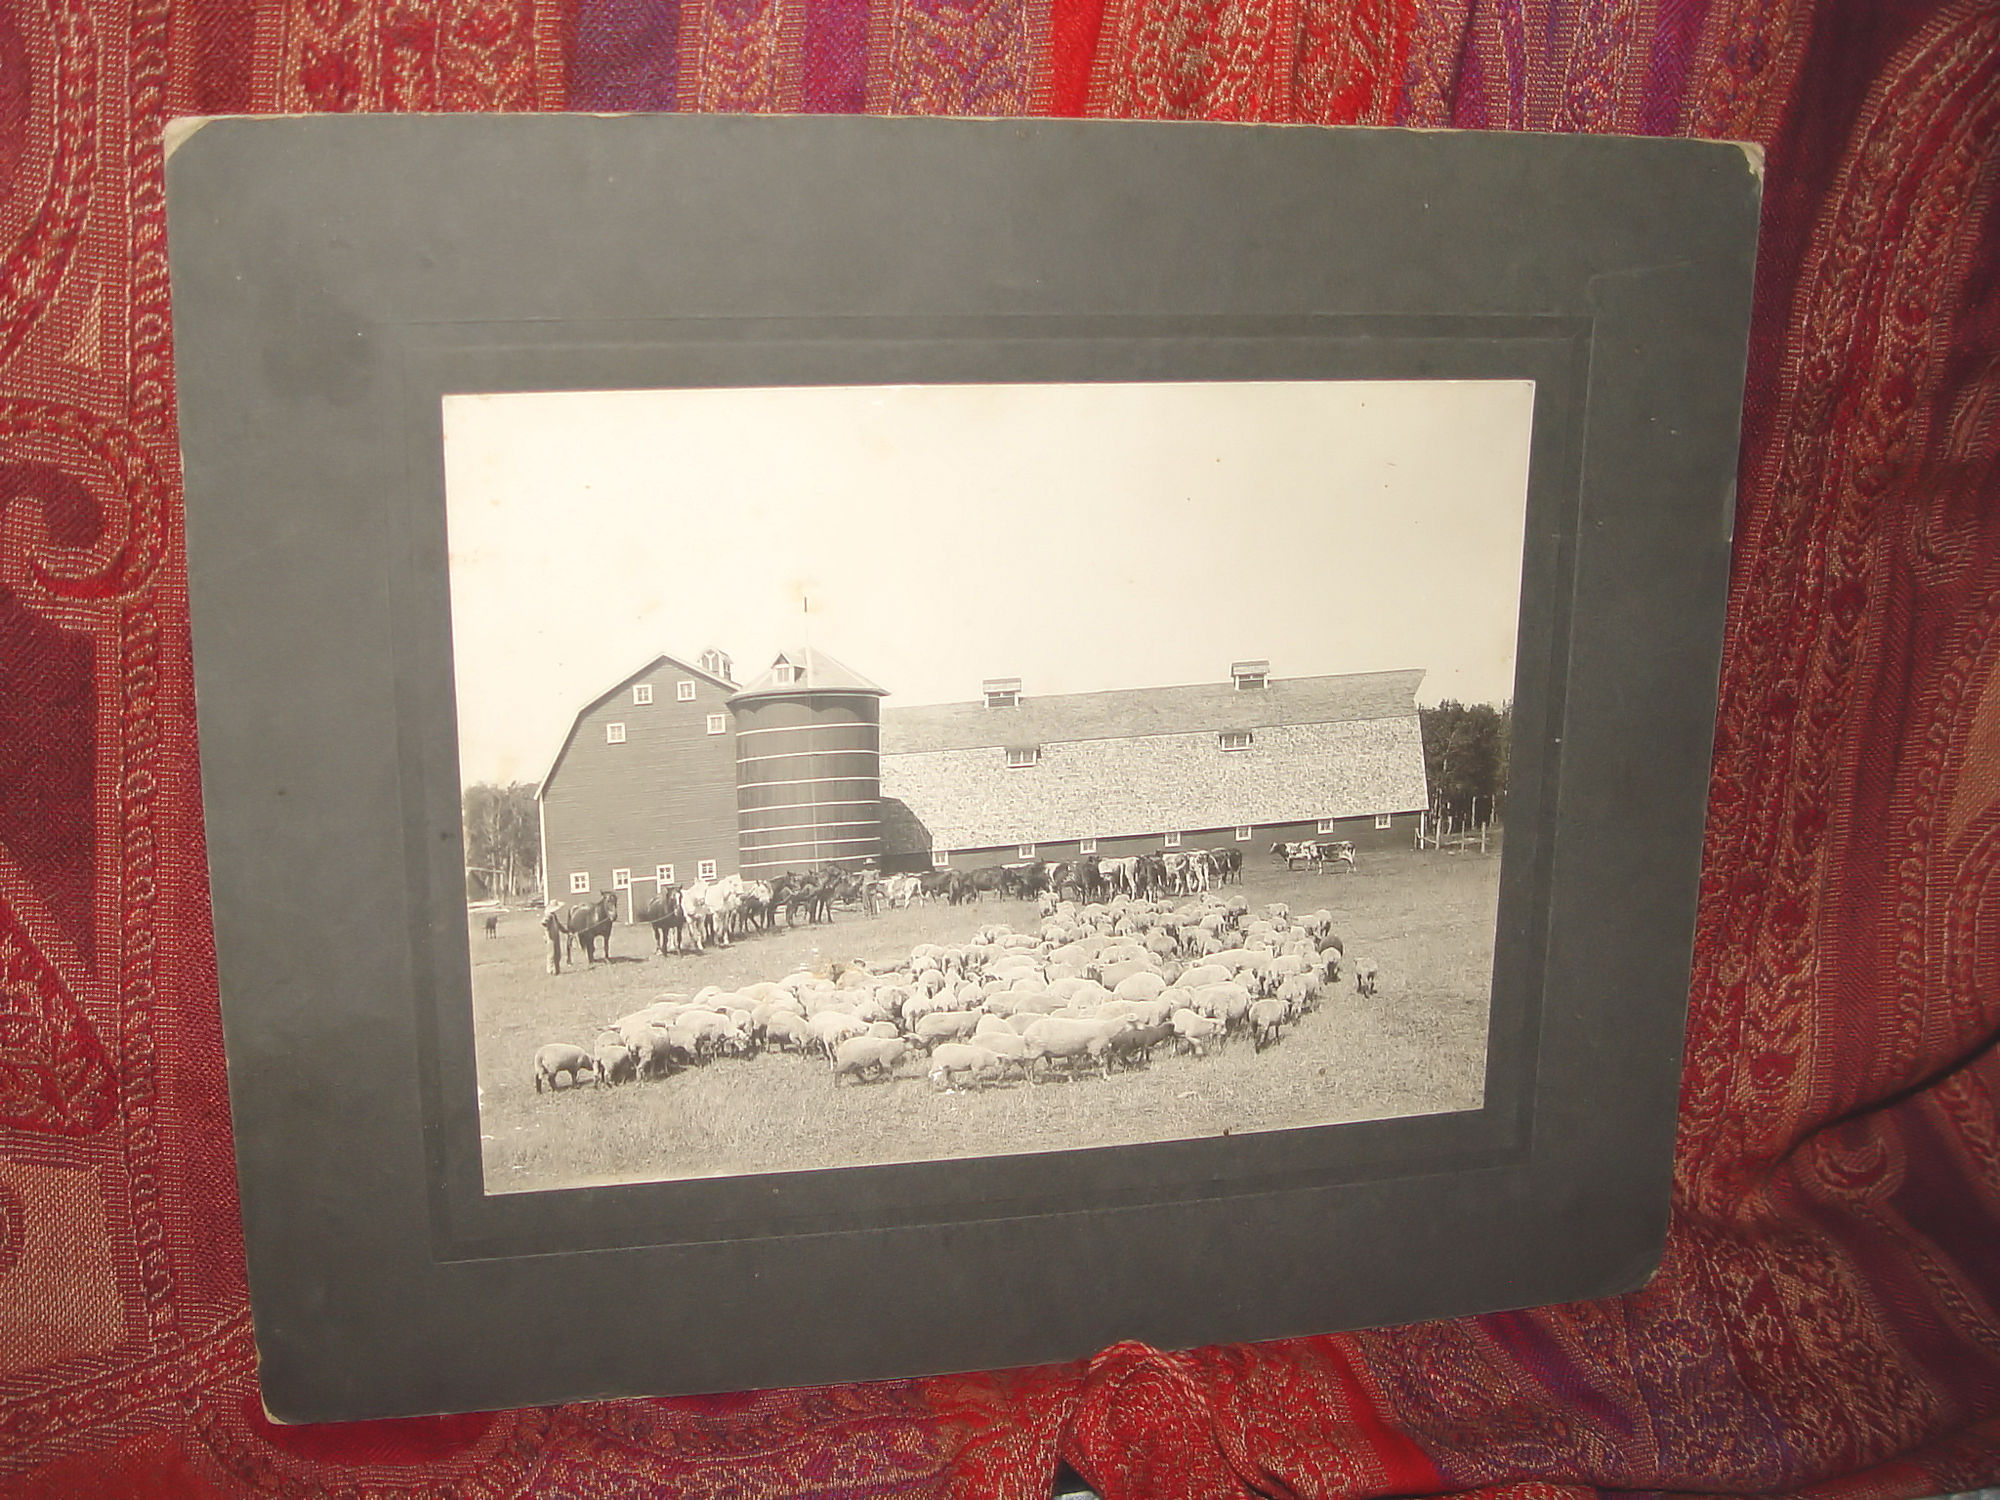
{"x":1111,"y":787}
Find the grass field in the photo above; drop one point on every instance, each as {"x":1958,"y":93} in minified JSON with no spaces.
{"x":1418,"y":1046}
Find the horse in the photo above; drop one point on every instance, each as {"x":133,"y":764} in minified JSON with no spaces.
{"x":666,"y":915}
{"x":586,"y":924}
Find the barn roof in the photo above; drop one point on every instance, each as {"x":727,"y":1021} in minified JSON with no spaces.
{"x":1123,"y":713}
{"x":820,"y":674}
{"x":621,"y":685}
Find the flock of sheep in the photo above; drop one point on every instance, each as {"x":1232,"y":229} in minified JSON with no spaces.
{"x":1097,"y":987}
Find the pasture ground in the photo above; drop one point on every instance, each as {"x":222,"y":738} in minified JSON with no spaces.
{"x":1418,"y":1046}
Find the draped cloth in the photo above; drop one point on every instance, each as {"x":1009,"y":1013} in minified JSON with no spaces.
{"x":1824,"y":1322}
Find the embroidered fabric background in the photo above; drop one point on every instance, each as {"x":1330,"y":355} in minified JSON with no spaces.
{"x":1825,"y":1321}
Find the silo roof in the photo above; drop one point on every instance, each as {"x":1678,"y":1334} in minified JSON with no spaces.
{"x":819,"y":673}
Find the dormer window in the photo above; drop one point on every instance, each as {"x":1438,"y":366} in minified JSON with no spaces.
{"x":1002,"y":692}
{"x":1250,"y":675}
{"x":784,"y":674}
{"x":715,"y":663}
{"x":1235,"y":739}
{"x":1023,"y":755}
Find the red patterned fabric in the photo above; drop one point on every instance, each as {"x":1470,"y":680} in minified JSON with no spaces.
{"x":1825,"y":1320}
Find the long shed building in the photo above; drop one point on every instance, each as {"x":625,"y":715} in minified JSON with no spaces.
{"x":1010,"y":776}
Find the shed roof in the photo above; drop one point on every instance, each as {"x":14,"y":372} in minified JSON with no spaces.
{"x":822,"y":674}
{"x":1123,"y":713}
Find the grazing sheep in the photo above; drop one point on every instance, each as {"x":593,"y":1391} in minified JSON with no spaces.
{"x":1134,"y":1045}
{"x":1266,"y":1016}
{"x":617,"y":1061}
{"x":560,"y":1057}
{"x":1197,"y":1031}
{"x":1364,"y":976}
{"x":978,"y":1064}
{"x":945,"y":1026}
{"x":868,"y":1056}
{"x":1060,"y":1039}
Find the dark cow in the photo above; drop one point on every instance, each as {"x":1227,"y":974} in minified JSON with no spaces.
{"x":493,"y":926}
{"x":587,"y":924}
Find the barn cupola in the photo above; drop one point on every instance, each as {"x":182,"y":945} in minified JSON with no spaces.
{"x":1250,"y":675}
{"x":717,"y":664}
{"x":1002,"y":692}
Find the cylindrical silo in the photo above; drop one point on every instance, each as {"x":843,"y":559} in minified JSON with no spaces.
{"x":808,"y":767}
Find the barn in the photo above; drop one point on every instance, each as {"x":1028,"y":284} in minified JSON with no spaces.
{"x":678,"y":773}
{"x":643,"y":790}
{"x":1249,"y":761}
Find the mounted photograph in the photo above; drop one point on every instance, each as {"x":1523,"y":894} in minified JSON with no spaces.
{"x":877,"y":774}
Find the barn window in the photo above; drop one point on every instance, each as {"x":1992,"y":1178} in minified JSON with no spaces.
{"x":1236,"y":739}
{"x":1086,"y":846}
{"x":1243,"y":834}
{"x":1023,"y":755}
{"x":579,"y":883}
{"x":684,"y":691}
{"x":1170,"y":841}
{"x":614,"y":734}
{"x":1027,"y":851}
{"x":664,"y":874}
{"x":621,"y":880}
{"x":1325,"y":825}
{"x":940,"y":858}
{"x":642,"y":693}
{"x":1249,"y":675}
{"x":1002,"y":692}
{"x":717,"y":724}
{"x":784,"y":674}
{"x":1385,"y":820}
{"x":705,"y":870}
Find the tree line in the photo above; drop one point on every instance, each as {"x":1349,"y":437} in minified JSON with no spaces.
{"x":1465,"y":758}
{"x":503,"y":841}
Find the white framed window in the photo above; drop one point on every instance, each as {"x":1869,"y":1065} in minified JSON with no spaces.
{"x":717,"y":723}
{"x":614,"y":734}
{"x":1019,"y":756}
{"x":705,"y":870}
{"x":579,"y":883}
{"x":642,"y":693}
{"x":664,"y":874}
{"x":1235,"y":739}
{"x":1027,"y":851}
{"x":1170,"y":841}
{"x":621,"y":880}
{"x":784,"y":674}
{"x":1325,"y":825}
{"x":1004,"y":698}
{"x":684,"y":691}
{"x":1086,"y":846}
{"x":1243,"y":834}
{"x":1385,"y":820}
{"x":1249,"y":675}
{"x":940,"y":858}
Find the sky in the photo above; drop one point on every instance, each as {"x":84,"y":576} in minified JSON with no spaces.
{"x":1079,"y":537}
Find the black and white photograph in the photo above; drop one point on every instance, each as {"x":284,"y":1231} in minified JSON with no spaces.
{"x":879,"y":774}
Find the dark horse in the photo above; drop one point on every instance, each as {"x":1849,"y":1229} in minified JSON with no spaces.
{"x":586,"y":923}
{"x":666,"y":916}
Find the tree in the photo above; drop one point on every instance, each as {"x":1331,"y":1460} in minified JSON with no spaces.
{"x":503,"y":844}
{"x":1465,"y":757}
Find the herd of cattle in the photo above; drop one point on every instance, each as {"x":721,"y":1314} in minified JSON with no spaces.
{"x":1098,"y":986}
{"x":686,"y":918}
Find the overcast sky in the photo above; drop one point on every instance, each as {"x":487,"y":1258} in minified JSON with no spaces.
{"x":1076,"y":536}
